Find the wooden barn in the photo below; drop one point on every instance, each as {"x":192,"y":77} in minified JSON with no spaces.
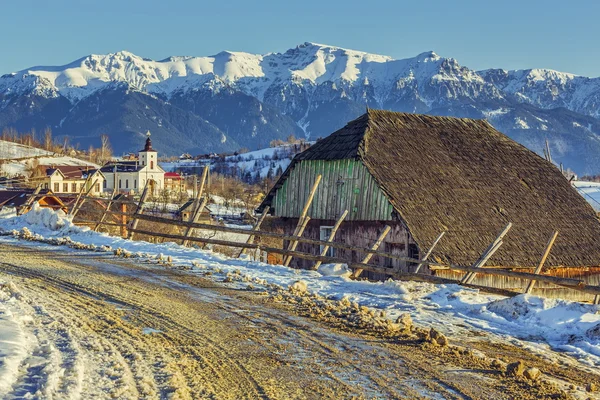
{"x":424,"y":175}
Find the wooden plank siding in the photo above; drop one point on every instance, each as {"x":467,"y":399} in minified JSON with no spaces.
{"x":361,"y":234}
{"x":346,"y":185}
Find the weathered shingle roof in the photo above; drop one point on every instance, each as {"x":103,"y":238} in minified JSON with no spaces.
{"x":464,"y":177}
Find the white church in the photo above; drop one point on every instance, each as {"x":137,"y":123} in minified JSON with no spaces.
{"x":130,"y":177}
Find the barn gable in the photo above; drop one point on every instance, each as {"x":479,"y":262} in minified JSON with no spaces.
{"x":464,"y":177}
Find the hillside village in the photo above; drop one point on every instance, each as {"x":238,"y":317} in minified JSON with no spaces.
{"x":305,"y":222}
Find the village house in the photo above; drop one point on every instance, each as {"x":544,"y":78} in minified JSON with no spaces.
{"x":131,"y":176}
{"x":174,"y":183}
{"x":424,"y":175}
{"x":17,"y":199}
{"x":68,"y":179}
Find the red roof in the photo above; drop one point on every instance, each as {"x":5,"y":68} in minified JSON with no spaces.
{"x":172,"y":175}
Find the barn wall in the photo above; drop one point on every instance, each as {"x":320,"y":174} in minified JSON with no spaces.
{"x":346,"y":185}
{"x":359,"y":234}
{"x":590,"y":275}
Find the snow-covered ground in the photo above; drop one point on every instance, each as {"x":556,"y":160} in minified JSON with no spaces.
{"x":18,"y":157}
{"x":10,"y":150}
{"x":254,"y":161}
{"x":546,"y":326}
{"x":590,"y":191}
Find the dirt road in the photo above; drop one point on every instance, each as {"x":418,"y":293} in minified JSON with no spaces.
{"x":104,"y":327}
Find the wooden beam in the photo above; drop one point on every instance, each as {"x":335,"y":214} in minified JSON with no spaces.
{"x":110,"y":202}
{"x":331,"y":237}
{"x":429,"y":252}
{"x":368,"y":257}
{"x":82,"y":200}
{"x":138,"y":211}
{"x":198,"y":205}
{"x":124,"y":232}
{"x":194,"y":218}
{"x":294,"y":243}
{"x":538,"y":270}
{"x":29,"y":203}
{"x":337,"y":245}
{"x":311,"y":196}
{"x":576,"y":284}
{"x":81,"y":190}
{"x":255,"y":228}
{"x":486,"y":254}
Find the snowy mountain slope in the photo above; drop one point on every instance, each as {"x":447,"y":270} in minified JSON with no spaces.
{"x":311,"y":89}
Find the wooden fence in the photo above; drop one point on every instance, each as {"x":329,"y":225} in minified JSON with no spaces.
{"x":128,"y":224}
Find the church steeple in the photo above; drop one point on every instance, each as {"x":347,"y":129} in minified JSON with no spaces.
{"x":148,"y":146}
{"x":147,"y":155}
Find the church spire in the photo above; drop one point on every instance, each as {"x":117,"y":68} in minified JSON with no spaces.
{"x":148,"y":146}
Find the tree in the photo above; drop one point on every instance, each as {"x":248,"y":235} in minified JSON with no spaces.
{"x":105,"y":149}
{"x":48,"y":145}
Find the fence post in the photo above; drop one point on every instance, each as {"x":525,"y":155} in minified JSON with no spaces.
{"x":194,"y":218}
{"x":124,"y":220}
{"x":294,"y":243}
{"x":537,"y":271}
{"x":255,"y":228}
{"x":368,"y":257}
{"x":138,"y":210}
{"x":112,"y":198}
{"x":81,"y":190}
{"x":331,"y":237}
{"x":492,"y":248}
{"x":429,"y":252}
{"x":83,"y":198}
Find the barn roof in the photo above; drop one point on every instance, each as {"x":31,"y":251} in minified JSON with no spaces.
{"x":463,"y":176}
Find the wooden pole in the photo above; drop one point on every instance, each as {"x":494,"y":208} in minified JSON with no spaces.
{"x":294,"y":244}
{"x":337,"y":245}
{"x":72,"y":210}
{"x":82,"y":199}
{"x":469,"y":276}
{"x":311,"y":196}
{"x":139,"y":210}
{"x":429,"y":252}
{"x":331,"y":237}
{"x":368,"y":257}
{"x":202,"y":182}
{"x":110,"y":202}
{"x":302,"y":217}
{"x":576,"y":284}
{"x":124,"y":220}
{"x":254,"y":229}
{"x":194,"y":218}
{"x":538,"y":270}
{"x":29,"y":203}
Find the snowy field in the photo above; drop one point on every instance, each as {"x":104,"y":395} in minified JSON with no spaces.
{"x":18,"y":157}
{"x":550,"y":327}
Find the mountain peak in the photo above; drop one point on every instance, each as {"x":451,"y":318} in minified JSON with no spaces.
{"x":427,"y":56}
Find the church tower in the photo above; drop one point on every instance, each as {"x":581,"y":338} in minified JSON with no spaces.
{"x":148,"y":156}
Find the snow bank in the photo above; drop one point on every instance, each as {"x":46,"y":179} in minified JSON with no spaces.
{"x":14,"y":341}
{"x":537,"y":323}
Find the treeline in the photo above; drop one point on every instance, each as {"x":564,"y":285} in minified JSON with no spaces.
{"x":45,"y":141}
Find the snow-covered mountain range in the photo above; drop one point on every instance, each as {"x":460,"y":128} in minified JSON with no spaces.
{"x":234,"y":99}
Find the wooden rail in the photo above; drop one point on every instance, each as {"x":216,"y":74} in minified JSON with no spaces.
{"x":290,"y":252}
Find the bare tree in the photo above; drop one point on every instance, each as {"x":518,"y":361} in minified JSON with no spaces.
{"x":105,"y":148}
{"x":48,"y":145}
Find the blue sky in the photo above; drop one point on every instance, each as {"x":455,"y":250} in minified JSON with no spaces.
{"x":480,"y":34}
